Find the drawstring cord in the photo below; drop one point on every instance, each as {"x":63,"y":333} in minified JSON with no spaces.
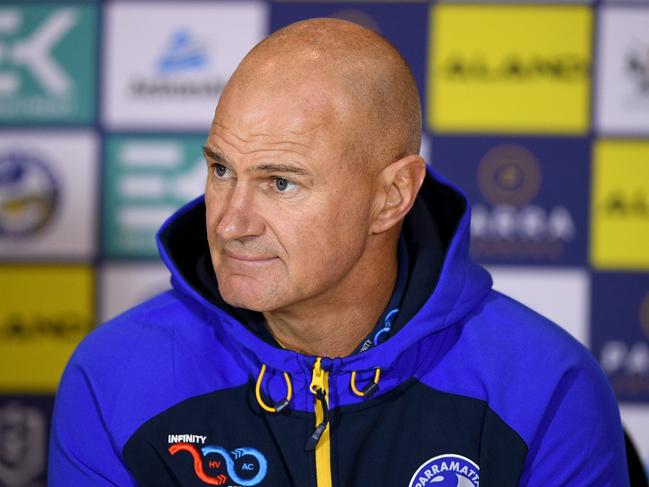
{"x":280,"y":406}
{"x":370,"y":388}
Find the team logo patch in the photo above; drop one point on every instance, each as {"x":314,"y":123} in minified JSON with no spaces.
{"x":447,"y":471}
{"x":29,"y":194}
{"x":215,"y":465}
{"x":22,"y":444}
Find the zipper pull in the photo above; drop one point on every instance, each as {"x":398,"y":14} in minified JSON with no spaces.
{"x":312,"y":440}
{"x":319,"y":388}
{"x":318,"y":377}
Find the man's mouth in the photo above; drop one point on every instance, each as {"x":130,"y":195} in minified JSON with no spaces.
{"x":246,"y":257}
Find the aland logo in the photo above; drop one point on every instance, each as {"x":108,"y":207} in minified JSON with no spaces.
{"x":447,"y":470}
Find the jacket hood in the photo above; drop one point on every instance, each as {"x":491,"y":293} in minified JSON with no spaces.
{"x":445,"y":287}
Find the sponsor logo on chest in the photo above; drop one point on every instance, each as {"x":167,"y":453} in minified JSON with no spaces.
{"x":215,"y":465}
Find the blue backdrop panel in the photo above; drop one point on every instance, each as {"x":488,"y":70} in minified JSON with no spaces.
{"x":529,"y":196}
{"x":619,"y":332}
{"x":403,"y":24}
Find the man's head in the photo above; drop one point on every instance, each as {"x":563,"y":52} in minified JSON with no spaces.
{"x":313,"y":164}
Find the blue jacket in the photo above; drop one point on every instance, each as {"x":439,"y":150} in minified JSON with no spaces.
{"x":472,"y":388}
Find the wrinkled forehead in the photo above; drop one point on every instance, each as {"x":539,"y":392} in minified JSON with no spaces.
{"x":283,"y":103}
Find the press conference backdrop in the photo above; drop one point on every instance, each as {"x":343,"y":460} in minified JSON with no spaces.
{"x":539,"y":111}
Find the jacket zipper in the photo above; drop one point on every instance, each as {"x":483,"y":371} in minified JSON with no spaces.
{"x":319,"y":439}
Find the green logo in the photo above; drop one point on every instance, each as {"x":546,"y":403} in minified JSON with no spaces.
{"x":146,"y":179}
{"x":47,"y":67}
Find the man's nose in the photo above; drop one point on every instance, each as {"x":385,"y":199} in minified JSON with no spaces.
{"x":239,"y":218}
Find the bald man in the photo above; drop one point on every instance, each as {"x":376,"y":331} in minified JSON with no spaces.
{"x":326,"y":325}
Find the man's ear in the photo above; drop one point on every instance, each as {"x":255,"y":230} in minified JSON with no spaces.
{"x":398,"y":186}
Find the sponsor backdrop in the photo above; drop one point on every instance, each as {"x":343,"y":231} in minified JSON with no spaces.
{"x":539,"y":111}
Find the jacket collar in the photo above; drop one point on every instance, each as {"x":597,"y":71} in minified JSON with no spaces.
{"x":437,"y":232}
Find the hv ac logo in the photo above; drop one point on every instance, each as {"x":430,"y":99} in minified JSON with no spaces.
{"x":447,"y":470}
{"x":215,"y":465}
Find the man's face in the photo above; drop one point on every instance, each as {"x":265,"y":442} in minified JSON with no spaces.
{"x":287,"y":211}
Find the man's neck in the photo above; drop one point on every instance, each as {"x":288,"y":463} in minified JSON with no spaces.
{"x":334,"y":325}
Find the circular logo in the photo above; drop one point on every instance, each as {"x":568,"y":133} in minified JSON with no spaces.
{"x":509,"y":174}
{"x":448,"y":470}
{"x":28,"y":194}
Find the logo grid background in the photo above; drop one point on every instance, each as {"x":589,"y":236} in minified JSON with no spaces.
{"x":600,"y":118}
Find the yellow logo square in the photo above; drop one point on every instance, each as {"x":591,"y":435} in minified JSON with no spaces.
{"x":44,"y":313}
{"x":503,"y":68}
{"x":620,"y":205}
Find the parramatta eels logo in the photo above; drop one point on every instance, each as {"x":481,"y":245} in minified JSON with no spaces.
{"x":245,"y":466}
{"x":447,"y":471}
{"x":29,"y":194}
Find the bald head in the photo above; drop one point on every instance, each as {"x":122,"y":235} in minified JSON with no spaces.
{"x":349,"y":73}
{"x":313,"y":166}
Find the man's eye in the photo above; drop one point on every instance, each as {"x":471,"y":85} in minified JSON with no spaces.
{"x":283,"y":185}
{"x":220,"y":170}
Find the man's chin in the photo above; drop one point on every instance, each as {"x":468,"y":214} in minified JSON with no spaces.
{"x":249,"y":297}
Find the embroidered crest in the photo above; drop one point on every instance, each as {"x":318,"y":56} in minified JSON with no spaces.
{"x":447,"y":470}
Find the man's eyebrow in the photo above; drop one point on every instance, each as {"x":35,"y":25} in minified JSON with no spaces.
{"x":283,"y":168}
{"x":212,"y":154}
{"x":268,"y":167}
